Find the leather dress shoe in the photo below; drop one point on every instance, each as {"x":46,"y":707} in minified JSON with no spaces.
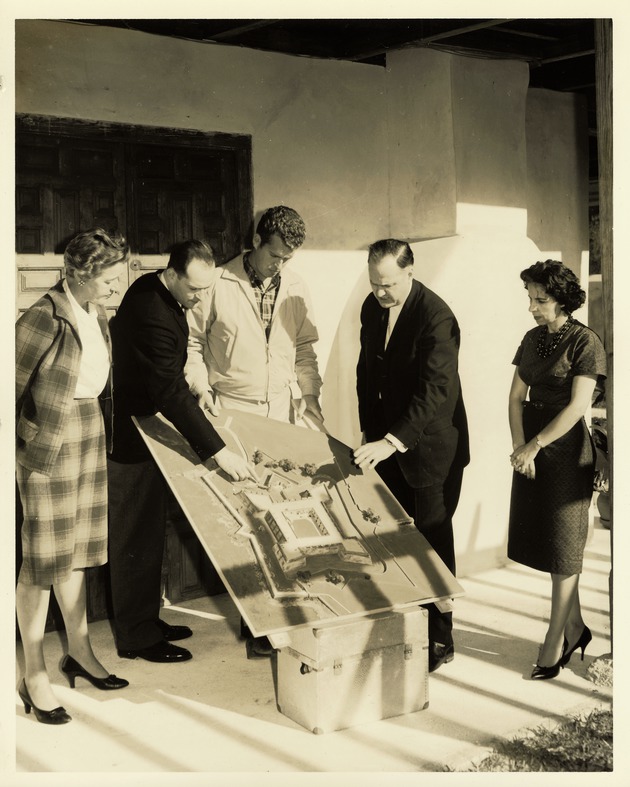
{"x":256,"y":647}
{"x":173,"y":633}
{"x":162,"y":652}
{"x":259,"y":648}
{"x":440,"y":654}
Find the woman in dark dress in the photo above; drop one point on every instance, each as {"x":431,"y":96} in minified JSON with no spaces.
{"x":558,"y":364}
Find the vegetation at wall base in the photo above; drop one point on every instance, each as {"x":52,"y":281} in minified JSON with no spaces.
{"x":581,"y":743}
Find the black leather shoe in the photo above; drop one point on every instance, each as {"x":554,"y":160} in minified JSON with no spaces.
{"x":259,"y":648}
{"x":173,"y":633}
{"x":440,"y":654}
{"x":162,"y":651}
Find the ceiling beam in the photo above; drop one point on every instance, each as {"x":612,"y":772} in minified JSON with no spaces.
{"x":427,"y":40}
{"x":240,"y":30}
{"x":568,"y":56}
{"x":525,"y":33}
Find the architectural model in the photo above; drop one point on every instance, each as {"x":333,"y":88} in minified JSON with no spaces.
{"x":313,"y":539}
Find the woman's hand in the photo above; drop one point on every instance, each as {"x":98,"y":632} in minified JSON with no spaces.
{"x":522,"y":459}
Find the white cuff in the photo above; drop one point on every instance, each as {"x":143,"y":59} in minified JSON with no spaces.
{"x":396,"y":443}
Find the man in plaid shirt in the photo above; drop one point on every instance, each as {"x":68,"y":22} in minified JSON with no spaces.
{"x":251,"y":338}
{"x":251,"y":335}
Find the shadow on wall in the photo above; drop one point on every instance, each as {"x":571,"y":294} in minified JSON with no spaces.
{"x":338,"y":283}
{"x":340,"y":381}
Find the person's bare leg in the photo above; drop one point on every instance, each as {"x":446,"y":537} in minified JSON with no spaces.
{"x":31,"y":603}
{"x":71,"y":596}
{"x":564,"y":589}
{"x":575,"y":622}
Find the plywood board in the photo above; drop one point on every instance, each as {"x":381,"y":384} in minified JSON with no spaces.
{"x":315,"y":540}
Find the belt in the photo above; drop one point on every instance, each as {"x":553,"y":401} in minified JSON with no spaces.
{"x":543,"y":405}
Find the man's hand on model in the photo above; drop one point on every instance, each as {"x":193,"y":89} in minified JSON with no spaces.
{"x":368,"y":455}
{"x":235,"y":466}
{"x":308,"y":405}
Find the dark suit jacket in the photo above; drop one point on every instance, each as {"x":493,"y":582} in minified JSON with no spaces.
{"x":412,"y":389}
{"x":149,"y":341}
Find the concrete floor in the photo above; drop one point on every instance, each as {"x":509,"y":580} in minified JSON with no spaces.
{"x":218,"y":713}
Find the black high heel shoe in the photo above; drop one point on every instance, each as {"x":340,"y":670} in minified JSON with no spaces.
{"x":72,"y":670}
{"x":55,"y":716}
{"x":585,"y":637}
{"x":546,"y":673}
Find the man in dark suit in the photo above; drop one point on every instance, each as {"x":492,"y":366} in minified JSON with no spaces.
{"x":411,"y":409}
{"x":149,"y":341}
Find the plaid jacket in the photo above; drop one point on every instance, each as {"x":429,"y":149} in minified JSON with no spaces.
{"x":48,"y":354}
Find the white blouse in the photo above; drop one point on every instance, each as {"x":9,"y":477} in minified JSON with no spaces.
{"x":94,"y":367}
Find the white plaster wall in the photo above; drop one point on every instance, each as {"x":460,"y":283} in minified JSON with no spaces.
{"x":557,"y":182}
{"x":489,"y":103}
{"x":318,"y":127}
{"x":422,"y":166}
{"x":477,"y":274}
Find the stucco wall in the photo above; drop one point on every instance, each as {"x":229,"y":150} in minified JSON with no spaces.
{"x":318,"y":127}
{"x":557,"y":182}
{"x":422,"y":166}
{"x":489,"y":99}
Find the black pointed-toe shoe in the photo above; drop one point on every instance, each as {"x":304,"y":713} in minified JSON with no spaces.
{"x":546,"y":673}
{"x":173,"y":633}
{"x":162,"y":652}
{"x":73,"y":670}
{"x":440,"y":654}
{"x":55,"y":716}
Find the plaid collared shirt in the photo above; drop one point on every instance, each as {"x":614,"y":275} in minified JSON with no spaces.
{"x":265,"y":297}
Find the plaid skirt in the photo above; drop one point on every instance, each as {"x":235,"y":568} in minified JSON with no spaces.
{"x":65,"y":514}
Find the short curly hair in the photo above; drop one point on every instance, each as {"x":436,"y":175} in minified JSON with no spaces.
{"x":558,"y":281}
{"x":90,"y":252}
{"x":284,"y":222}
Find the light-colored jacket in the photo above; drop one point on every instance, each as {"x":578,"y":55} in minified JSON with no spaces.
{"x":228,"y":349}
{"x":47,"y":360}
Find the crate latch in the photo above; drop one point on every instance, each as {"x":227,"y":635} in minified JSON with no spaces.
{"x":408,"y":652}
{"x":337,"y":663}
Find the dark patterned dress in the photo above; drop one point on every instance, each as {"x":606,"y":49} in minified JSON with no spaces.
{"x":549,"y":515}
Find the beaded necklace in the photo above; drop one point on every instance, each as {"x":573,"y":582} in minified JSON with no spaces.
{"x":545,"y":350}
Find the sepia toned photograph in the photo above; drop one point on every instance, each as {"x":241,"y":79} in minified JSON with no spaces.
{"x":312,"y":341}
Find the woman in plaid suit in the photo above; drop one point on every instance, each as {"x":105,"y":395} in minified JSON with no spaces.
{"x":62,"y":366}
